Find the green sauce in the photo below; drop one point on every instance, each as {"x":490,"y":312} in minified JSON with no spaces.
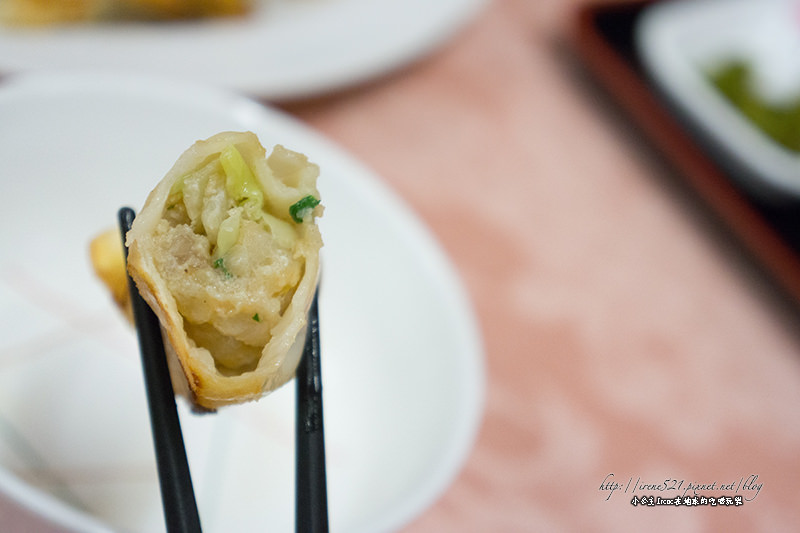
{"x":780,"y":121}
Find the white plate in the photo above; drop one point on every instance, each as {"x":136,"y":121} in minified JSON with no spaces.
{"x":679,"y":40}
{"x":402,"y":360}
{"x":286,"y":49}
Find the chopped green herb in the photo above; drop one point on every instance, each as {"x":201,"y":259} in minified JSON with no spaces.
{"x":220,"y":264}
{"x":256,"y":317}
{"x":302,"y":207}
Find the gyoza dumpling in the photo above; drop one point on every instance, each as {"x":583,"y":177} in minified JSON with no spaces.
{"x":226,"y":252}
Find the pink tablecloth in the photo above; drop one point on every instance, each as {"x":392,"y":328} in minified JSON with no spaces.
{"x":627,"y":340}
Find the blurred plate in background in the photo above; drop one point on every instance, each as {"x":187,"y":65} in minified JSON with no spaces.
{"x":682,"y":41}
{"x":286,"y":49}
{"x":402,"y":360}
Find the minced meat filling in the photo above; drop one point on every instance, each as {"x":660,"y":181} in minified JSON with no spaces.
{"x":229,"y":302}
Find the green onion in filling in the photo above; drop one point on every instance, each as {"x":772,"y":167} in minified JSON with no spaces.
{"x":300,"y":209}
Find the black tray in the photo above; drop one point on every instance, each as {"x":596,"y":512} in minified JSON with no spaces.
{"x":767,"y":228}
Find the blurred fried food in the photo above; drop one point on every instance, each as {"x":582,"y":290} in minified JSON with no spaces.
{"x":45,"y":12}
{"x":108,"y":259}
{"x":53,"y":12}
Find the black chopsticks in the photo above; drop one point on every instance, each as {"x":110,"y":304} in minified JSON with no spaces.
{"x":177,"y":492}
{"x":311,"y":499}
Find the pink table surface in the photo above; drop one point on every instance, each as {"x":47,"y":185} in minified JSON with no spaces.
{"x":627,"y":340}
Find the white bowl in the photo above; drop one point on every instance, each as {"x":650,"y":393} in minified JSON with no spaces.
{"x":401,"y":352}
{"x":680,"y":40}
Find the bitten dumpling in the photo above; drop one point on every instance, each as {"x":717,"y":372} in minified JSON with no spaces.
{"x":226,"y":252}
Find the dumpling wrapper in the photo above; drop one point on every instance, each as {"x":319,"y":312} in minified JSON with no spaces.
{"x":218,"y":253}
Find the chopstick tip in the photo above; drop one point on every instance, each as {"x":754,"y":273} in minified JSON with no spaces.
{"x":126,"y":216}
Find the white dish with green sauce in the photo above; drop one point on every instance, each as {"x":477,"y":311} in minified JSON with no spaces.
{"x":732,"y":66}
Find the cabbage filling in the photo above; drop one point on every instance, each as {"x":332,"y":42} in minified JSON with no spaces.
{"x":230,"y":260}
